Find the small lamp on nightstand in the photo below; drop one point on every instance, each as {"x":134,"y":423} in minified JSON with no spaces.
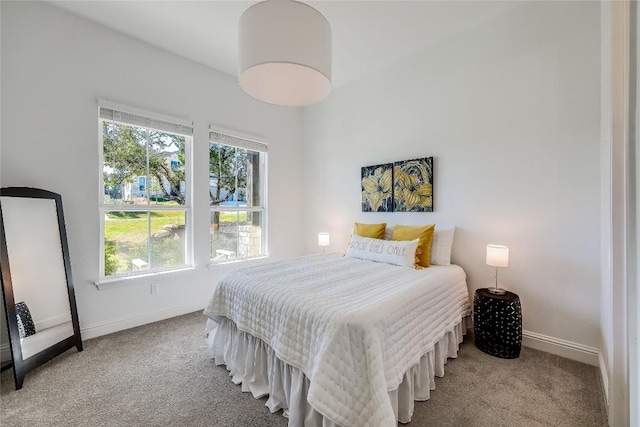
{"x":497,"y":256}
{"x":323,"y":240}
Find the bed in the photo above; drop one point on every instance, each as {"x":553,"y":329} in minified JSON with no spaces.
{"x":338,"y":341}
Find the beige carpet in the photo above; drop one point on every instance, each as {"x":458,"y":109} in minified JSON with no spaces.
{"x":161,"y":375}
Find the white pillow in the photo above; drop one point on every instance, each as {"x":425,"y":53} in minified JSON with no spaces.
{"x":388,"y":233}
{"x":441,"y":246}
{"x":395,"y":252}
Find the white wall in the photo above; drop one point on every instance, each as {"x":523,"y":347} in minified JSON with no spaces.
{"x":55,"y":66}
{"x":606,"y":204}
{"x":510,"y":111}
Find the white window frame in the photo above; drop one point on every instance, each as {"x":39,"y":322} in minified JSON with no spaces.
{"x":240,"y":140}
{"x":143,"y":118}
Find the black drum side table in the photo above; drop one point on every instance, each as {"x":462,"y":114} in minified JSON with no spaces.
{"x":497,"y":323}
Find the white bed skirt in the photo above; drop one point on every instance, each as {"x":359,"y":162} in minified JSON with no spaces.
{"x":253,"y":364}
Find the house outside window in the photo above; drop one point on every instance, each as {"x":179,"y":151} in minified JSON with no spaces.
{"x":145,"y":202}
{"x":237,"y":197}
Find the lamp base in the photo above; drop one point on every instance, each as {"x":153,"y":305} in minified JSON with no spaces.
{"x":496,"y":291}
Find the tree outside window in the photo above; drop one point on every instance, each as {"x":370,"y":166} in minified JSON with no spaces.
{"x":144,"y":205}
{"x":236,"y":198}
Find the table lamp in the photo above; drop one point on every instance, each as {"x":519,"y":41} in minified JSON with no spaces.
{"x":497,"y":256}
{"x":323,"y":240}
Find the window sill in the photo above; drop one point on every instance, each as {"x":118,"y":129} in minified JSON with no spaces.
{"x":116,"y":282}
{"x":212,"y":265}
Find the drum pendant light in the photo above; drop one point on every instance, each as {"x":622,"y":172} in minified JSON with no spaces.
{"x":284,"y":53}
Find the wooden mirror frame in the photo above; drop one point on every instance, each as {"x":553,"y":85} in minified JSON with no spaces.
{"x":21,"y":366}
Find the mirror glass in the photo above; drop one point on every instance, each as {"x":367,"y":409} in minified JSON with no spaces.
{"x":37,"y":272}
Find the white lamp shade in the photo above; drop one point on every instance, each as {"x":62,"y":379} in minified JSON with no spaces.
{"x":324,"y":239}
{"x":498,"y":255}
{"x":284,"y":53}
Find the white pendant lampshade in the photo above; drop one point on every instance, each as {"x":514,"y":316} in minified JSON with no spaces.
{"x":284,"y":53}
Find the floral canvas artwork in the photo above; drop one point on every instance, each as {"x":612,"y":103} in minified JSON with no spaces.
{"x":413,"y":185}
{"x":377,"y":186}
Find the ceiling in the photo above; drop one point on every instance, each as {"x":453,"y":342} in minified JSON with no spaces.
{"x":367,"y":35}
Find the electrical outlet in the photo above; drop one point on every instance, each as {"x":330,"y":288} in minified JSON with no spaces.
{"x":155,"y":288}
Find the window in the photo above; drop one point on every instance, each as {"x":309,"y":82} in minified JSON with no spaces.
{"x":145,"y":210}
{"x":237,"y":197}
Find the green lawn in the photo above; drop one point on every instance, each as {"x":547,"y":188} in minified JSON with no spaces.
{"x":126,"y":237}
{"x":126,"y":234}
{"x":130,"y":228}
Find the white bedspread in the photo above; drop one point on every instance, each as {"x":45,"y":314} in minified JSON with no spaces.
{"x":353,"y":327}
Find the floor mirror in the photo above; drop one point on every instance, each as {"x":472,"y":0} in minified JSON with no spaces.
{"x":37,"y":284}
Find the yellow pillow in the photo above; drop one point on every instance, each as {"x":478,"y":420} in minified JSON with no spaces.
{"x":422,"y":232}
{"x":374,"y":231}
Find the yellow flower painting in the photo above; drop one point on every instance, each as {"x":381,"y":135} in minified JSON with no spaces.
{"x":413,"y":185}
{"x":377,"y":186}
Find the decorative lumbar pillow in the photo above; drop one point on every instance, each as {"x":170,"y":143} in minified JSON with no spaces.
{"x":25,"y":322}
{"x":422,"y":232}
{"x":374,"y":231}
{"x":441,"y":246}
{"x":388,"y":251}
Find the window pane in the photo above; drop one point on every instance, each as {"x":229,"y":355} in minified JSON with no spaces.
{"x":235,"y":235}
{"x":124,"y":163}
{"x":224,"y":236}
{"x":222,"y":175}
{"x":236,"y":182}
{"x":142,"y":164}
{"x":249,"y":234}
{"x":145,"y":168}
{"x":168,"y":243}
{"x":125,"y":242}
{"x":249,"y":182}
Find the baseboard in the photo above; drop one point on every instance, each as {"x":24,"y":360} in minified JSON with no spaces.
{"x":95,"y":331}
{"x":568,"y":349}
